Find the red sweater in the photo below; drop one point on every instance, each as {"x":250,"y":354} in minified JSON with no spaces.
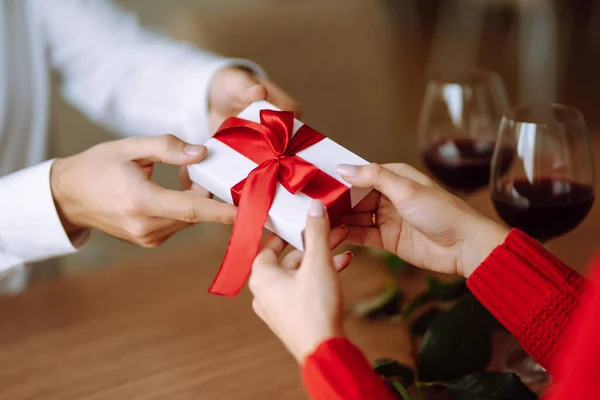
{"x":532,"y":293}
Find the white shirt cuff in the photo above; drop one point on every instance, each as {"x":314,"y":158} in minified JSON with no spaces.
{"x":30,"y":228}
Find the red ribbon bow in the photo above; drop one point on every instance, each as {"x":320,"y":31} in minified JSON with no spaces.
{"x":271,"y":145}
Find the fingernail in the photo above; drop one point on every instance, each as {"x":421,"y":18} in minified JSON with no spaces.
{"x":193,"y":149}
{"x":315,"y":209}
{"x":345,"y":229}
{"x":351,"y":255}
{"x":347,"y":170}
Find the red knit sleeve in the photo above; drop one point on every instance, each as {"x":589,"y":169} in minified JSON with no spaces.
{"x":531,"y":292}
{"x":578,"y":370}
{"x":338,"y":370}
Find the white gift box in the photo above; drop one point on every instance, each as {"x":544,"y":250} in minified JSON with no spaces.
{"x":224,"y":167}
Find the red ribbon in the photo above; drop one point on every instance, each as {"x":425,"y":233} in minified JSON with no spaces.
{"x":271,"y":145}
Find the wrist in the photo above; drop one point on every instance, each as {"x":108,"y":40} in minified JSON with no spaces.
{"x":481,"y":241}
{"x":58,"y":188}
{"x":311,"y":345}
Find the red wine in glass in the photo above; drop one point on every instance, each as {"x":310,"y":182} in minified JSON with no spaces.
{"x":458,"y":126}
{"x":463,"y":164}
{"x":544,"y":208}
{"x":549,"y":188}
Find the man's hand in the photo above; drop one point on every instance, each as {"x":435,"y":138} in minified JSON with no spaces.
{"x":108,"y":187}
{"x":233,"y":89}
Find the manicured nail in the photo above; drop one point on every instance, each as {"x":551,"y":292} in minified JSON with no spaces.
{"x":349,"y":254}
{"x":194,"y":149}
{"x":347,"y":170}
{"x":315,"y":209}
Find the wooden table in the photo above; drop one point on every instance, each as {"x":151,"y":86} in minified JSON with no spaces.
{"x":149,"y":329}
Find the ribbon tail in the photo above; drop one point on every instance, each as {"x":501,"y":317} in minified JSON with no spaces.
{"x":253,"y":210}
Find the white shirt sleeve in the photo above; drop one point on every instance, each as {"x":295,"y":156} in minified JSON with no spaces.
{"x":30,"y":229}
{"x":133,"y":80}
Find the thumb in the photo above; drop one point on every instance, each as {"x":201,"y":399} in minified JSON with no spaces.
{"x":233,"y":89}
{"x":246,"y":87}
{"x":251,"y":92}
{"x":316,"y":235}
{"x":167,"y":149}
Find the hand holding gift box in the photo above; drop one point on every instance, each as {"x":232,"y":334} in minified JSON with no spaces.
{"x":271,"y":165}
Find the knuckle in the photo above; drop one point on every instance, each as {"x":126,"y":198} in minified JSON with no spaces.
{"x":253,"y":283}
{"x":410,"y":189}
{"x":262,"y":91}
{"x":149,"y":244}
{"x":166,"y":142}
{"x":168,"y":139}
{"x":402,"y":167}
{"x":412,"y":173}
{"x":191,"y":215}
{"x":256,"y":308}
{"x":374,"y":171}
{"x":219,"y":218}
{"x":139,"y":230}
{"x":225,"y":218}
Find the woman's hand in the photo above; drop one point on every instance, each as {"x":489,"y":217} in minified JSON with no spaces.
{"x":108,"y":187}
{"x":419,"y":221}
{"x":302,"y":305}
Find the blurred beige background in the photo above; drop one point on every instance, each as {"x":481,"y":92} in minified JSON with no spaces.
{"x":358,"y":67}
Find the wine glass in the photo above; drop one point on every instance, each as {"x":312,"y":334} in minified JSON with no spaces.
{"x":542,"y":182}
{"x":458,"y":127}
{"x":542,"y":179}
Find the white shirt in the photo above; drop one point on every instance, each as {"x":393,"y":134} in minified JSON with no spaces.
{"x":129,"y":79}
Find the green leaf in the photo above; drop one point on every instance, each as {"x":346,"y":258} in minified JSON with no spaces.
{"x":392,"y":369}
{"x":457,"y":342}
{"x":383,"y":306}
{"x":375,"y":252}
{"x":490,"y":386}
{"x":417,"y":302}
{"x":401,"y":390}
{"x":433,"y":392}
{"x":447,"y":291}
{"x":420,"y":325}
{"x":438,"y":290}
{"x":395,"y":264}
{"x":416,"y":393}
